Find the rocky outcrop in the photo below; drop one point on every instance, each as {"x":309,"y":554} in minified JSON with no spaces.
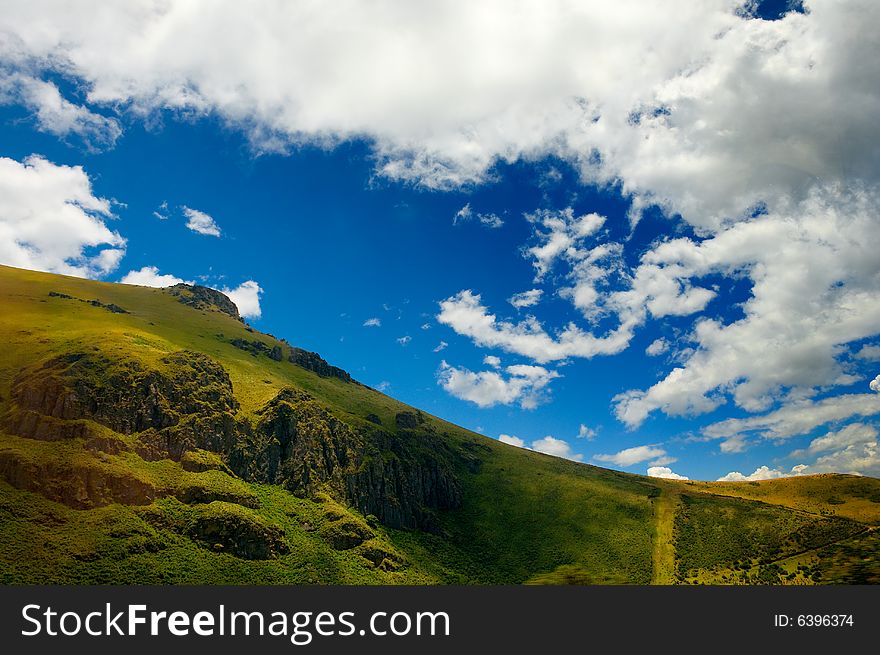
{"x":227,"y":528}
{"x":400,"y":479}
{"x":184,"y":409}
{"x":404,"y":484}
{"x":80,"y":487}
{"x":110,"y":307}
{"x":188,"y":399}
{"x":409,"y":420}
{"x":205,"y":298}
{"x":295,"y":443}
{"x":316,"y":364}
{"x":303,"y":358}
{"x":254,"y":347}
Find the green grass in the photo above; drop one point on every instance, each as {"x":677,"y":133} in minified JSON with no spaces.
{"x":71,"y":512}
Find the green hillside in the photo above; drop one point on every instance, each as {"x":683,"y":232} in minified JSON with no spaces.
{"x":150,"y":436}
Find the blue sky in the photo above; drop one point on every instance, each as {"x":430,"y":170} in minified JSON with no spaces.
{"x":693,"y":228}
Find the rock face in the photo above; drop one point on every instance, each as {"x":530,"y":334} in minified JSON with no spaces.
{"x":313,"y":362}
{"x":205,"y":298}
{"x":228,"y":528}
{"x":399,"y":479}
{"x":75,"y":486}
{"x":409,"y":420}
{"x":303,"y":358}
{"x":186,"y":404}
{"x":110,"y":307}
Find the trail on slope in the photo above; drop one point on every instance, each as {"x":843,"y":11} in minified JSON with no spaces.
{"x":664,"y":550}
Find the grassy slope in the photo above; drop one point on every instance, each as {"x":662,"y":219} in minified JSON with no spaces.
{"x":525,"y":516}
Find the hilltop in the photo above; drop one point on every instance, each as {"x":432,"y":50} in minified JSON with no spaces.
{"x":151,"y":436}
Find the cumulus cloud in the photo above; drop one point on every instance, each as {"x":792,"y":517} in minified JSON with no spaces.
{"x":246,"y":297}
{"x":467,"y":214}
{"x":557,"y":447}
{"x":373,"y":322}
{"x":585,"y":432}
{"x":57,"y":115}
{"x":528,"y":298}
{"x":761,"y":473}
{"x":657,"y":347}
{"x":149,"y":276}
{"x":559,"y":234}
{"x":851,"y":435}
{"x":875,"y":384}
{"x":491,"y":360}
{"x":200,"y":222}
{"x":513,"y":441}
{"x":815,"y":287}
{"x":869,"y":353}
{"x":461,"y":99}
{"x":634,"y":455}
{"x":465,"y":313}
{"x":797,"y":417}
{"x":669,"y":111}
{"x":50,"y":220}
{"x":520,"y":383}
{"x":664,"y":472}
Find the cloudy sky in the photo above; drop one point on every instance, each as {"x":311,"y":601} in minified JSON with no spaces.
{"x":636,"y":234}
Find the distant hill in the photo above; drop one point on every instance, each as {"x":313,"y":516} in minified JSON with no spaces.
{"x":150,"y":436}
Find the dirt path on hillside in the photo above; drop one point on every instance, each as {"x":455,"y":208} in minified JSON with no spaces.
{"x":664,"y":551}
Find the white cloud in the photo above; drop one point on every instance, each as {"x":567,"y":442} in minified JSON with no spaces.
{"x":50,"y":220}
{"x":875,"y":384}
{"x":664,"y":472}
{"x":465,"y":313}
{"x":201,"y":223}
{"x":246,"y":297}
{"x":467,"y":214}
{"x":404,"y":340}
{"x":513,"y":441}
{"x":528,"y":298}
{"x":851,"y":435}
{"x":657,"y":347}
{"x":162,"y":212}
{"x":761,"y":473}
{"x":559,"y":234}
{"x":856,"y":459}
{"x":373,"y":322}
{"x":668,"y":104}
{"x":492,"y":360}
{"x":852,"y":449}
{"x":557,"y":447}
{"x":453,"y":96}
{"x":735,"y":444}
{"x":630,"y":456}
{"x":149,"y":276}
{"x":797,"y":417}
{"x":441,"y":346}
{"x":383,"y":386}
{"x":523,"y":384}
{"x":56,"y":115}
{"x":585,"y":432}
{"x":815,"y":286}
{"x":869,"y":353}
{"x":426,"y":326}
